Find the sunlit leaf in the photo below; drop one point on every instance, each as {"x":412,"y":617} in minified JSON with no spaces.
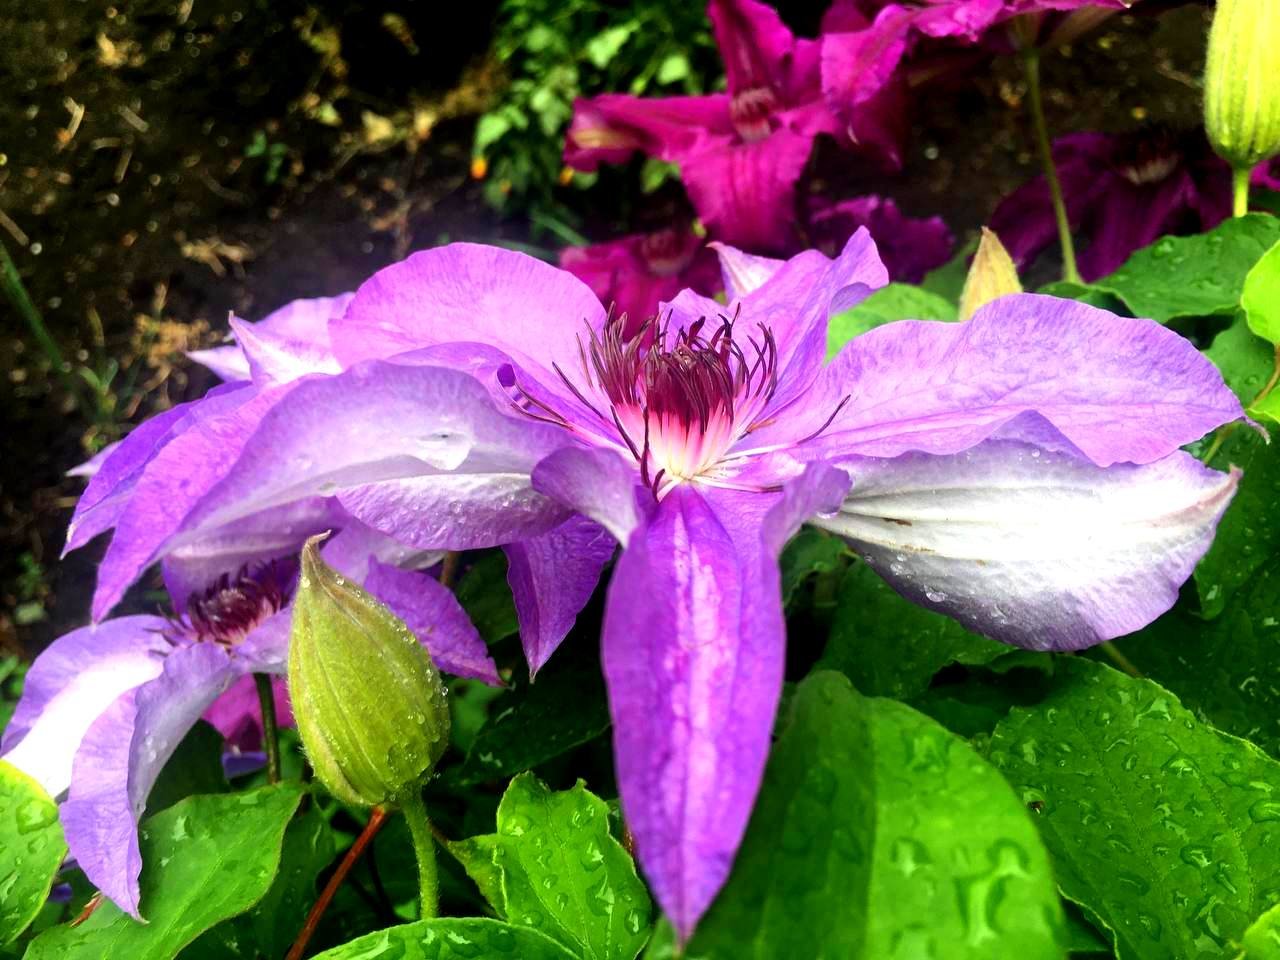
{"x":31,"y":849}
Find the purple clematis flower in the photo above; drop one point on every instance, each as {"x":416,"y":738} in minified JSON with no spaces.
{"x":910,"y":247}
{"x":104,"y":707}
{"x":741,"y":152}
{"x":1122,"y":193}
{"x":635,"y":273}
{"x":1020,"y":472}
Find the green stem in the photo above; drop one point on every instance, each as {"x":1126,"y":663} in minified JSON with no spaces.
{"x":415,"y":814}
{"x":1031,"y":64}
{"x":1240,"y":191}
{"x":17,"y":293}
{"x":1120,"y":660}
{"x":270,"y":731}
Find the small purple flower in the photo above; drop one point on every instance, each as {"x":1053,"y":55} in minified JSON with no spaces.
{"x":1020,"y":472}
{"x":1122,"y":193}
{"x":637,"y":272}
{"x":741,"y":152}
{"x":909,"y":247}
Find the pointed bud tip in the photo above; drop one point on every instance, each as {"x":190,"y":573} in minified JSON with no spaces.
{"x":992,"y":275}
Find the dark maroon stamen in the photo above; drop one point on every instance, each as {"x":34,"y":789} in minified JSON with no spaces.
{"x":234,"y":604}
{"x":751,"y":111}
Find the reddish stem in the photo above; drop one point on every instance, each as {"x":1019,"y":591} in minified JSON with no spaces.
{"x":376,"y":819}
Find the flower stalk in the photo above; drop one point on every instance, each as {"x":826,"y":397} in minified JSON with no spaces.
{"x":270,"y":728}
{"x":1031,"y":66}
{"x":424,"y":851}
{"x":1240,"y":191}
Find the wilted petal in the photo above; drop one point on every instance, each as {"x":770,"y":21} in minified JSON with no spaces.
{"x":1034,"y":547}
{"x":70,"y":685}
{"x":552,"y":577}
{"x":433,"y":614}
{"x":693,"y":656}
{"x":120,"y":758}
{"x":1120,"y":389}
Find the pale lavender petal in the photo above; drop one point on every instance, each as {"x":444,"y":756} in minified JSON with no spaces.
{"x":228,"y":363}
{"x":1034,"y":547}
{"x":266,"y":647}
{"x":465,"y":465}
{"x":1119,"y":389}
{"x":601,"y":484}
{"x":258,"y":539}
{"x":552,"y":577}
{"x":693,"y":656}
{"x":306,"y":319}
{"x":432,"y":613}
{"x":70,"y":684}
{"x":356,"y":545}
{"x":467,"y":292}
{"x":91,"y":466}
{"x":304,"y":324}
{"x":276,"y":358}
{"x":744,"y":272}
{"x":120,"y":758}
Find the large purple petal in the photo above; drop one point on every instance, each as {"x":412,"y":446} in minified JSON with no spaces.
{"x":1035,"y":547}
{"x":463,"y":292}
{"x":598,"y":483}
{"x":432,"y":613}
{"x":745,"y":192}
{"x":693,"y":656}
{"x":70,"y":685}
{"x":1120,"y":389}
{"x":417,"y":452}
{"x":301,"y":323}
{"x":120,"y":758}
{"x":552,"y":577}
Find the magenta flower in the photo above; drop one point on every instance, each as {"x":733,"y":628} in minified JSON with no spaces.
{"x":1122,"y":193}
{"x":1020,"y":472}
{"x":637,"y":272}
{"x":864,"y":42}
{"x":910,"y":247}
{"x":740,"y":153}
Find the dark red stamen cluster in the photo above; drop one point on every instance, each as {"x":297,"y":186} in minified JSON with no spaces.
{"x":233,"y":605}
{"x":751,"y":111}
{"x":1151,"y":155}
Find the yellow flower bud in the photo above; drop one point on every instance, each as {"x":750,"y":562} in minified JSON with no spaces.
{"x":991,"y":275}
{"x":1242,"y":81}
{"x":369,"y":703}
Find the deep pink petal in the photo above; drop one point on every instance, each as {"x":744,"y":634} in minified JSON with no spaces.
{"x":755,"y":44}
{"x":612,"y":127}
{"x":693,"y":656}
{"x":552,"y":577}
{"x":237,"y":713}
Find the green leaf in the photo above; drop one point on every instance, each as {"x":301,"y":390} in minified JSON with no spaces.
{"x":484,"y":594}
{"x":1196,"y":276}
{"x":1085,"y":293}
{"x":891,"y":647}
{"x":604,"y":46}
{"x":879,"y":834}
{"x":1262,"y":939}
{"x":564,"y":708}
{"x":564,"y":873}
{"x":1267,"y":409}
{"x":450,"y":938}
{"x":31,"y":849}
{"x":674,"y":68}
{"x":1249,"y":532}
{"x":478,"y":857}
{"x":1245,"y":361}
{"x":204,"y":859}
{"x":1227,"y":670}
{"x":195,"y":767}
{"x":1261,"y":297}
{"x":1161,"y":827}
{"x":810,"y":553}
{"x":897,"y":301}
{"x":947,"y":281}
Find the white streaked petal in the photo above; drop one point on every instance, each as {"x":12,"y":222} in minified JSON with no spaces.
{"x":1037,"y":548}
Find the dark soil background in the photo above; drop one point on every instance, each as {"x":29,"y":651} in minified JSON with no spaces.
{"x":164,"y":162}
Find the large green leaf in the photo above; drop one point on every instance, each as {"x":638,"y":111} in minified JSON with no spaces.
{"x":1226,"y":670}
{"x":561,"y":871}
{"x":564,"y":708}
{"x":204,"y":859}
{"x":31,"y":849}
{"x":1085,"y":293}
{"x":879,"y":834}
{"x":268,"y":929}
{"x":1249,"y":533}
{"x":1244,"y":360}
{"x":1261,"y":297}
{"x":1164,"y":829}
{"x":1262,"y":939}
{"x":451,"y":938}
{"x":1196,"y":276}
{"x":897,"y":301}
{"x":890,"y":647}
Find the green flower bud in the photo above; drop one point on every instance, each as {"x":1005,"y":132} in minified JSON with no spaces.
{"x":991,"y":276}
{"x":1242,"y":81}
{"x":369,"y":703}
